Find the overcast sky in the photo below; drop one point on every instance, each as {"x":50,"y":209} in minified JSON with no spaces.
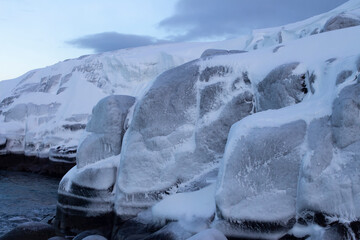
{"x":38,"y":33}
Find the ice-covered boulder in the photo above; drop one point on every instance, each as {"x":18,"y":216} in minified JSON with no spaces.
{"x":329,"y":180}
{"x":179,"y":131}
{"x":107,"y":128}
{"x":86,"y":198}
{"x":86,"y":191}
{"x":258,"y":177}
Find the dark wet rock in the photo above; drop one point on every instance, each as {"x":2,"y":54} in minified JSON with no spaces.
{"x":30,"y":231}
{"x":292,"y":237}
{"x":281,"y":88}
{"x":73,"y":221}
{"x":133,"y":230}
{"x":20,"y":162}
{"x":355,"y":226}
{"x":340,"y":21}
{"x":342,"y":76}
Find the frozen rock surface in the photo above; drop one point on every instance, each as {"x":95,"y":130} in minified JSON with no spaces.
{"x":107,"y":128}
{"x":332,"y":169}
{"x":174,"y":138}
{"x":260,"y":173}
{"x":87,"y":189}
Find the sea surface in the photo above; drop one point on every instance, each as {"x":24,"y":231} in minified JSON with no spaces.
{"x":26,"y":197}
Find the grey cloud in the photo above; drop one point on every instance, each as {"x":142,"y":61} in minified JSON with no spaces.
{"x":219,"y":18}
{"x":109,"y":41}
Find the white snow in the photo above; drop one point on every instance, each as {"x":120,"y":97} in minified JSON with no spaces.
{"x":96,"y":176}
{"x":187,"y":206}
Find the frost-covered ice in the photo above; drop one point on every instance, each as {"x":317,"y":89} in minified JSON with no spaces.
{"x":187,"y":207}
{"x":281,"y":120}
{"x":105,"y":129}
{"x":69,"y":84}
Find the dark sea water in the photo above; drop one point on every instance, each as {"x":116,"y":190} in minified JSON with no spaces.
{"x":25,"y":197}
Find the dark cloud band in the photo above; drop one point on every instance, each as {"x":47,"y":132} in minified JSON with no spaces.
{"x":109,"y":41}
{"x":218,"y":18}
{"x":205,"y":19}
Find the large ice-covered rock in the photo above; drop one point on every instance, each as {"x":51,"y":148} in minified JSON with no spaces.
{"x":87,"y":189}
{"x":179,"y":131}
{"x":86,"y":198}
{"x":107,"y":128}
{"x":258,"y":176}
{"x":299,"y":162}
{"x":329,"y":181}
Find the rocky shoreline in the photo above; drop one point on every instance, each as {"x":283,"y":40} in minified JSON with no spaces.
{"x":33,"y":164}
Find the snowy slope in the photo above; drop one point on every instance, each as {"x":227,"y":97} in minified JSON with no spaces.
{"x":281,"y":124}
{"x":48,"y":108}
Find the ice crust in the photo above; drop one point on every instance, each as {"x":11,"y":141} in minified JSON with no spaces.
{"x":124,"y":72}
{"x":106,"y":129}
{"x":280,"y":122}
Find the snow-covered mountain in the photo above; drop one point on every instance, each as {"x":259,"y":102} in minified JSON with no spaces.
{"x":48,"y":108}
{"x":261,"y":142}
